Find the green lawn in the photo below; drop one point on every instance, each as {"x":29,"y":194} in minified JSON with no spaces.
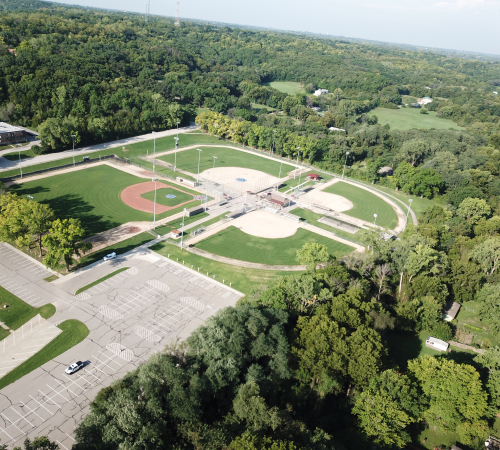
{"x":288,"y":87}
{"x":243,"y":279}
{"x":130,"y":151}
{"x":147,"y":164}
{"x":51,"y":278}
{"x":3,"y":333}
{"x":365,"y":204}
{"x":180,"y":197}
{"x":226,"y":157}
{"x":312,"y":218}
{"x":100,"y":280}
{"x":176,"y":224}
{"x":15,"y":156}
{"x":91,"y":195}
{"x":408,"y":118}
{"x":120,"y":248}
{"x":260,"y":106}
{"x":73,"y":333}
{"x":18,"y":312}
{"x":234,"y":243}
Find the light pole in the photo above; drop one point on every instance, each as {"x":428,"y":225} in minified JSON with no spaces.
{"x":295,"y":173}
{"x":345,"y":162}
{"x":154,"y":210}
{"x":199,"y":156}
{"x":375,"y":215}
{"x":20,"y":168}
{"x":214,"y":157}
{"x":154,"y":149}
{"x":175,"y":152}
{"x":182,"y":228}
{"x":274,"y":138}
{"x":279,"y":176}
{"x":407,"y":213}
{"x":73,"y":136}
{"x":178,"y":129}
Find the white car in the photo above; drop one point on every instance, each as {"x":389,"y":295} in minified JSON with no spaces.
{"x":74,"y":367}
{"x":110,"y":256}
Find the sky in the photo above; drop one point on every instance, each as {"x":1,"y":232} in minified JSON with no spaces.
{"x":471,"y":25}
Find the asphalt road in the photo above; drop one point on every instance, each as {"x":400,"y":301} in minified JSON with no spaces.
{"x":130,"y":316}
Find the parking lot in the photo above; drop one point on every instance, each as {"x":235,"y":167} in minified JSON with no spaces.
{"x":130,"y":316}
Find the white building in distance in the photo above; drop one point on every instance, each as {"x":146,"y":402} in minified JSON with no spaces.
{"x":319,"y":92}
{"x":424,"y":100}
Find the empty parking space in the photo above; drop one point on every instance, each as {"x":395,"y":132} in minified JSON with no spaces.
{"x":18,"y":261}
{"x":20,"y":290}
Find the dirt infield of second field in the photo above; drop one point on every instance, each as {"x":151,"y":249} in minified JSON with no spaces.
{"x":131,"y":196}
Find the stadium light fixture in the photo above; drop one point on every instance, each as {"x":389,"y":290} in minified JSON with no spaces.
{"x":154,"y":148}
{"x":345,"y":162}
{"x":175,"y":152}
{"x":375,"y":215}
{"x":199,"y":156}
{"x":20,"y":168}
{"x":154,"y":209}
{"x":214,"y":157}
{"x":295,"y":173}
{"x":182,"y":229}
{"x":73,"y":136}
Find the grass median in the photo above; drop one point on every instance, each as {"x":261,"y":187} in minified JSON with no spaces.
{"x":73,"y":333}
{"x":100,"y":280}
{"x":242,"y":279}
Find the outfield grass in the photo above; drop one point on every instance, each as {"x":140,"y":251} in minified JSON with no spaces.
{"x":73,"y":333}
{"x":180,"y":197}
{"x":130,"y":151}
{"x":100,"y":280}
{"x":176,"y":224}
{"x":234,"y":243}
{"x":312,"y":218}
{"x":18,"y":311}
{"x":91,"y":195}
{"x":408,"y":118}
{"x":242,"y":279}
{"x":288,"y":87}
{"x":120,"y":248}
{"x":365,"y":204}
{"x":226,"y":157}
{"x":148,"y":164}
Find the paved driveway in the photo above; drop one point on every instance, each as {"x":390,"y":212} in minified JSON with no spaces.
{"x":130,"y":316}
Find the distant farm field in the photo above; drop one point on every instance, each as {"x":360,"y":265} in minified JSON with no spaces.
{"x":226,"y":157}
{"x":234,"y":243}
{"x":408,"y":118}
{"x":288,"y":87}
{"x":365,"y":204}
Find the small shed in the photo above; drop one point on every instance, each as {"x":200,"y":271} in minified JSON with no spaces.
{"x":386,"y":170}
{"x":451,"y":310}
{"x":176,"y":234}
{"x":436,"y":344}
{"x":313,"y":176}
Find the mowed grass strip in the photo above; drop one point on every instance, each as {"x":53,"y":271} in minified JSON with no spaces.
{"x":19,"y":312}
{"x":176,"y":224}
{"x":408,"y":118}
{"x":100,"y":280}
{"x":226,"y":157}
{"x":161,"y":199}
{"x":120,"y":248}
{"x":130,"y":151}
{"x":365,"y":204}
{"x":288,"y":87}
{"x":73,"y":333}
{"x":242,"y":279}
{"x":234,"y":243}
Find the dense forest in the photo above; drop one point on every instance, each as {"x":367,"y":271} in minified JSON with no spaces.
{"x":313,"y":361}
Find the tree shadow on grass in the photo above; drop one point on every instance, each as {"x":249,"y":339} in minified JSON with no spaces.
{"x":73,"y":206}
{"x":22,"y":191}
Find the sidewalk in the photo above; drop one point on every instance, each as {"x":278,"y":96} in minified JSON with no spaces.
{"x":6,"y":164}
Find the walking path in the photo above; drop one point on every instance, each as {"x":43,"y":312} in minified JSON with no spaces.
{"x":7,"y":165}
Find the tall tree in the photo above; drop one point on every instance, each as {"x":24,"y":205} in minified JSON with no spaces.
{"x":63,"y":242}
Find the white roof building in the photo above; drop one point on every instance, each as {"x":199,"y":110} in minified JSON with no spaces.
{"x":319,"y":92}
{"x":437,"y":344}
{"x":424,"y":100}
{"x":336,"y":129}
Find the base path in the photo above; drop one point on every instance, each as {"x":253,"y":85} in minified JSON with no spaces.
{"x":131,"y":196}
